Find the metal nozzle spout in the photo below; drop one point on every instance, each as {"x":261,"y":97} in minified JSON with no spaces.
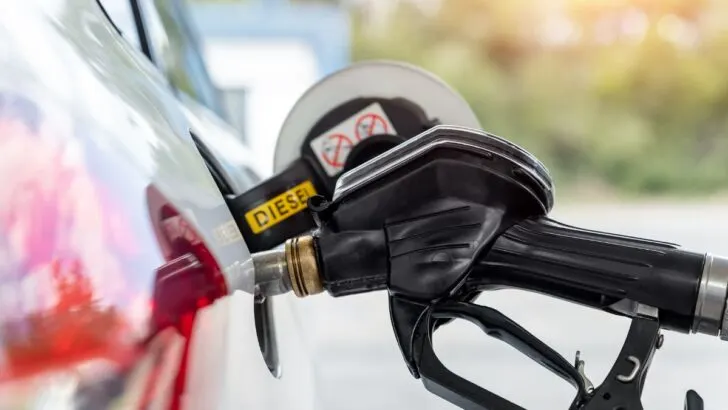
{"x":271,"y":273}
{"x":274,"y":272}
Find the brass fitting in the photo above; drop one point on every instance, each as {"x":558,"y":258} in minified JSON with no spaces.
{"x":303,"y":268}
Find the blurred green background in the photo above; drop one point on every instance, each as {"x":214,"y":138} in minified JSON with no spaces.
{"x":627,"y":96}
{"x":617,"y":97}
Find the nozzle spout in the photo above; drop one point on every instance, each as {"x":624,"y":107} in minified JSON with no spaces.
{"x":278,"y":271}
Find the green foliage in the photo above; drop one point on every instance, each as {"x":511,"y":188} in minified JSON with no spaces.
{"x":628,"y":94}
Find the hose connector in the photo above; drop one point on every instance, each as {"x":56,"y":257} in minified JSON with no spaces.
{"x":303,"y":269}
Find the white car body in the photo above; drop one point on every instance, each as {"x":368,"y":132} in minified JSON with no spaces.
{"x":98,"y":118}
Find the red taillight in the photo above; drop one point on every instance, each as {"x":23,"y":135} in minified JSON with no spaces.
{"x":189,"y":281}
{"x":191,"y":278}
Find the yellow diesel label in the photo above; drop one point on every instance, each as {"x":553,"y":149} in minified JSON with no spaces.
{"x":280,"y":208}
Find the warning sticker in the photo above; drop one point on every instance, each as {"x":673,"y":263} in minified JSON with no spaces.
{"x":332,"y":147}
{"x":370,"y":124}
{"x":336,"y":149}
{"x":280,"y":208}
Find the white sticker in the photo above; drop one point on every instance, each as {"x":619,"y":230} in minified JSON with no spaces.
{"x":332,"y":147}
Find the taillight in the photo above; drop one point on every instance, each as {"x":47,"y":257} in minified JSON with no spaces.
{"x":190,"y":280}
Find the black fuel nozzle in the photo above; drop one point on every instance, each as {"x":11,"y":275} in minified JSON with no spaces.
{"x":455,"y":211}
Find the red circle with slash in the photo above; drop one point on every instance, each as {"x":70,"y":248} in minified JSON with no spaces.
{"x":370,"y":124}
{"x":333,"y":152}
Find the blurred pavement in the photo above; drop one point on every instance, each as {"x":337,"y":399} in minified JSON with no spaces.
{"x":360,"y":367}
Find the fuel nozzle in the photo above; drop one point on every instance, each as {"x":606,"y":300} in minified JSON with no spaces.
{"x":453,"y":212}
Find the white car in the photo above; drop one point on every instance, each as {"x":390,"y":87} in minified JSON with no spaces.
{"x":115,"y":237}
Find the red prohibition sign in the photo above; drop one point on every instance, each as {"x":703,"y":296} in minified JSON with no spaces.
{"x":370,"y":124}
{"x":333,"y":152}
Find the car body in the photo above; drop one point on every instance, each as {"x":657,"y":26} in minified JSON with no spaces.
{"x":115,"y":237}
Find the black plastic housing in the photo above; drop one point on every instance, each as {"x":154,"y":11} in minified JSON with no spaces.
{"x":432,"y":225}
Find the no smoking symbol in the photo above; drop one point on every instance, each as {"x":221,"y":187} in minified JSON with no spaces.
{"x":370,"y":124}
{"x":335,"y":150}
